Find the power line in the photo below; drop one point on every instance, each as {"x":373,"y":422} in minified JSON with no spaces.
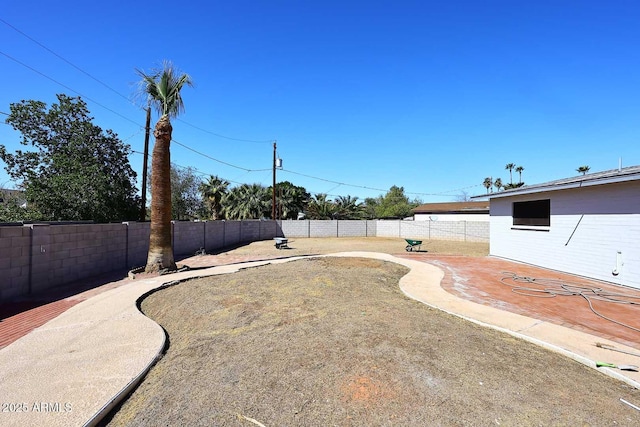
{"x":332,"y":182}
{"x":226,"y":137}
{"x":327,"y":193}
{"x":122,"y":116}
{"x":65,"y":60}
{"x":69,"y":88}
{"x":444,"y":193}
{"x":114,"y":90}
{"x":190,"y":168}
{"x":338,"y":184}
{"x":113,"y":111}
{"x":219,"y":161}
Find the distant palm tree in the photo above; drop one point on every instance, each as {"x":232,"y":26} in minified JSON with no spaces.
{"x":488,"y":183}
{"x":510,"y":167}
{"x":248,"y":201}
{"x":162,"y":88}
{"x":498,"y":183}
{"x":212,"y":192}
{"x":292,"y":200}
{"x":321,"y":208}
{"x":583,"y":169}
{"x":519,"y":169}
{"x":348,"y":208}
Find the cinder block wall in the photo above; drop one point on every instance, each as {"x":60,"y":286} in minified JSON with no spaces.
{"x":463,"y":231}
{"x":37,"y":257}
{"x":214,"y":235}
{"x":350,"y":228}
{"x":137,"y":244}
{"x":270,"y":229}
{"x":477,"y":231}
{"x":250,"y":231}
{"x":80,"y":251}
{"x":15,"y":252}
{"x":419,"y":230}
{"x":188,"y":237}
{"x":388,"y":229}
{"x":231,"y":233}
{"x":295,"y":228}
{"x":327,"y":228}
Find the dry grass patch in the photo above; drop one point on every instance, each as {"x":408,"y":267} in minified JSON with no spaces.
{"x":333,"y":341}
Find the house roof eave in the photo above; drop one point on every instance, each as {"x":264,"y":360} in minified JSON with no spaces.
{"x":600,"y":178}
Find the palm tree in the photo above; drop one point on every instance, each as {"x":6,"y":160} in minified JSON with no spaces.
{"x":519,"y":169}
{"x":321,"y":208}
{"x":212,"y":192}
{"x":498,"y":183}
{"x":510,"y":167}
{"x":348,"y":208}
{"x":248,"y":201}
{"x":292,"y":200}
{"x":583,"y":169}
{"x":488,"y":183}
{"x":162,"y":88}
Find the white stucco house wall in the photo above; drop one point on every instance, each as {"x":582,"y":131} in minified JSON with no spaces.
{"x":587,"y":225}
{"x":452,"y":211}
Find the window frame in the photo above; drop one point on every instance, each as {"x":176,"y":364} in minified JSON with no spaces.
{"x":531,"y":214}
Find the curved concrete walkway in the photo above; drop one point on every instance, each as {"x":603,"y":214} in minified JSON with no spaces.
{"x":75,"y":368}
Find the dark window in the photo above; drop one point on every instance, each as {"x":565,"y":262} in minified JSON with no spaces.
{"x":534,"y":212}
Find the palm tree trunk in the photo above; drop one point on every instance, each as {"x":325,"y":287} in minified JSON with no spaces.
{"x":160,"y":255}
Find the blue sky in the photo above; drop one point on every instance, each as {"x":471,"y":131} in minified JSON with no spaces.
{"x":432,"y":96}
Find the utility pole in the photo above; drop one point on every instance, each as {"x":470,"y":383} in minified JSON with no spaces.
{"x":143,"y":209}
{"x":273,"y":202}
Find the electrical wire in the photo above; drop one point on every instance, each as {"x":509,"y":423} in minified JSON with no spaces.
{"x":338,"y":184}
{"x":86,"y":73}
{"x":69,"y":88}
{"x":216,"y":160}
{"x":64,"y":59}
{"x":199,"y":172}
{"x":191,"y":125}
{"x":122,"y":116}
{"x":225,"y":137}
{"x":551,"y":288}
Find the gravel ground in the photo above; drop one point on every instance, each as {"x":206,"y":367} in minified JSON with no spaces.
{"x":333,"y":341}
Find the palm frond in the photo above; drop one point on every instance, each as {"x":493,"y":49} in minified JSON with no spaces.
{"x":163,"y":88}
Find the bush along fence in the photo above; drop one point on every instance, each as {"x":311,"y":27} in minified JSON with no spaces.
{"x":37,"y":257}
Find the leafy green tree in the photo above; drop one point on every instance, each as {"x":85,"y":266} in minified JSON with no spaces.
{"x":73,"y":170}
{"x":186,"y":200}
{"x":511,"y":186}
{"x":247,"y":201}
{"x":162,"y":88}
{"x":14,"y":208}
{"x":370,"y":206}
{"x":394,"y":204}
{"x":213,"y":191}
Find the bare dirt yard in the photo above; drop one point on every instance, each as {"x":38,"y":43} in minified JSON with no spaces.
{"x":334,"y":342}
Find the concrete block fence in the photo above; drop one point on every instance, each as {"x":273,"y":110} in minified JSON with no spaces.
{"x":37,"y":257}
